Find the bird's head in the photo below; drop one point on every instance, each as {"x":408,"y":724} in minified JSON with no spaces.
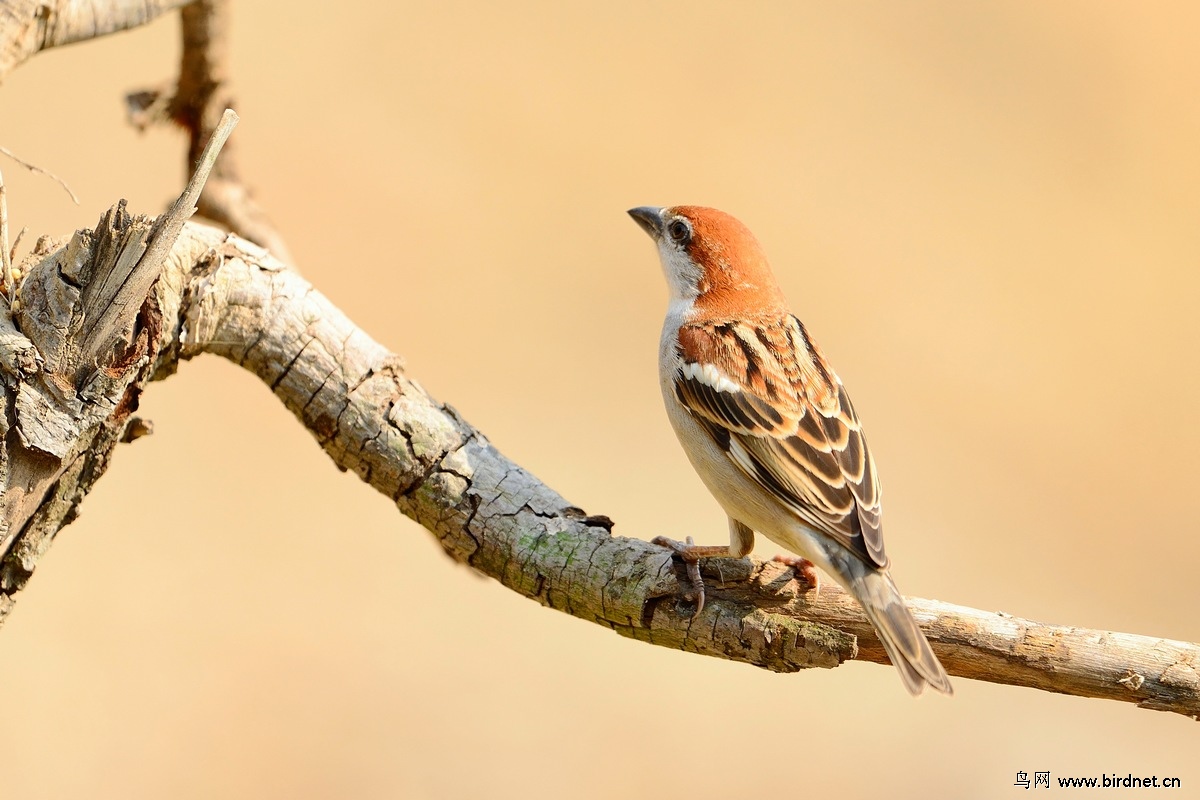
{"x":711,"y":259}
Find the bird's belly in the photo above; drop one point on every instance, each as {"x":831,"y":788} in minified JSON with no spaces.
{"x":740,"y":496}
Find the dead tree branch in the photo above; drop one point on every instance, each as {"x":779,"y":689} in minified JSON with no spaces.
{"x":222,"y":295}
{"x":29,"y":26}
{"x":72,"y":359}
{"x":202,"y":93}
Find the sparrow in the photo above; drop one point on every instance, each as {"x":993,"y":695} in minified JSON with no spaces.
{"x":768,"y":426}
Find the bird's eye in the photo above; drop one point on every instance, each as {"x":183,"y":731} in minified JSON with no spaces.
{"x":680,"y":231}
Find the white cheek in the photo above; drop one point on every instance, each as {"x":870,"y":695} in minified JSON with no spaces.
{"x":682,"y":275}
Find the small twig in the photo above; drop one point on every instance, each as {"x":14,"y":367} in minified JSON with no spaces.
{"x":195,"y":104}
{"x":204,"y":90}
{"x":118,"y":306}
{"x":204,"y":166}
{"x":12,"y":254}
{"x":5,"y":253}
{"x":46,"y":172}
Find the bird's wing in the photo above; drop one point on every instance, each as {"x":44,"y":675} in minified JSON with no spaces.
{"x":769,"y":399}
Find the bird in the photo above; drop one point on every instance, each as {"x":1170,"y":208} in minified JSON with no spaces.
{"x":768,"y":426}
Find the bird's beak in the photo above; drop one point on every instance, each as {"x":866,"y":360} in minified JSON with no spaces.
{"x":650,"y":218}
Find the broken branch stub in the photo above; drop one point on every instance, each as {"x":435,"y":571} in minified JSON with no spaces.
{"x":74,"y":358}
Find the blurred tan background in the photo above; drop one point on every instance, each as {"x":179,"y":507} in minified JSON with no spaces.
{"x":987,"y":213}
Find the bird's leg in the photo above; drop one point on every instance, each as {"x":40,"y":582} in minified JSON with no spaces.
{"x":690,"y":554}
{"x":803,"y":568}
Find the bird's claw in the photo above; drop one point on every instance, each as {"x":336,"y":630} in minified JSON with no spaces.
{"x":804,"y":569}
{"x":684,"y":551}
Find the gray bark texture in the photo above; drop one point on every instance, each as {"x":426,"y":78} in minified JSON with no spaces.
{"x":69,"y":400}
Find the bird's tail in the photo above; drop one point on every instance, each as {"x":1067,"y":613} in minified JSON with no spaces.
{"x":906,"y":646}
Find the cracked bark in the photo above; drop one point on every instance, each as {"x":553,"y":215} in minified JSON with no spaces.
{"x":221,"y":295}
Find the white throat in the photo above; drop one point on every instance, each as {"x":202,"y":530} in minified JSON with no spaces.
{"x":682,"y":274}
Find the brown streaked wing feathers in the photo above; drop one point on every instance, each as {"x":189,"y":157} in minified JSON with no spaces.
{"x":798,"y":433}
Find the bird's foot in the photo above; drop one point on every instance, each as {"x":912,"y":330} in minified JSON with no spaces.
{"x":690,"y":554}
{"x":804,"y":569}
{"x":695,"y":591}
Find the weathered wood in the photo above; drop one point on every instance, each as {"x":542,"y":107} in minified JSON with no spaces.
{"x":74,"y":358}
{"x":222,"y":295}
{"x":488,"y":512}
{"x":30,"y":26}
